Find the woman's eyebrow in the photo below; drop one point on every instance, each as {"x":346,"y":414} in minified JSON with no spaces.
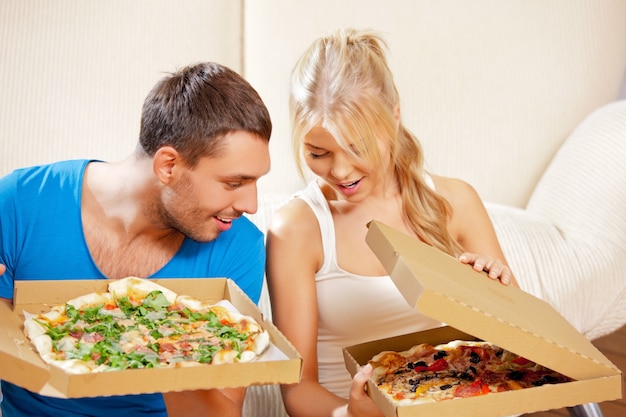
{"x":311,"y":146}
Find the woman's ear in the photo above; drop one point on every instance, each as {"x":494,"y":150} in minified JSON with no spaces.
{"x":396,"y":115}
{"x":165,"y":163}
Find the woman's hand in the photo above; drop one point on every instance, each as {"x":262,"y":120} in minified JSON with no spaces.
{"x":2,"y":269}
{"x":494,"y":267}
{"x":359,"y":403}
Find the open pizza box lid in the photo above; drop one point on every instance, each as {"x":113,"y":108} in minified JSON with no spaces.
{"x":441,"y":287}
{"x":475,"y":307}
{"x":22,"y":365}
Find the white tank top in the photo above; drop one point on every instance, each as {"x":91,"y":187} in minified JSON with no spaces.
{"x":352,"y":308}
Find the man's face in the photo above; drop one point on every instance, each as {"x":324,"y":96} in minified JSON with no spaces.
{"x":203,"y":201}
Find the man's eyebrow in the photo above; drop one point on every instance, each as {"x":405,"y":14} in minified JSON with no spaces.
{"x":239,"y":177}
{"x":243,"y":177}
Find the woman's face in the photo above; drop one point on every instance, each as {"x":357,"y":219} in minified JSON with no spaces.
{"x":350,"y":177}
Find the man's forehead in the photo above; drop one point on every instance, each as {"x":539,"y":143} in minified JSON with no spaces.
{"x":243,"y":156}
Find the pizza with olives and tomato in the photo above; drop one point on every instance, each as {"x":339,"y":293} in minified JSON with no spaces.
{"x":141,"y":324}
{"x":458,"y":369}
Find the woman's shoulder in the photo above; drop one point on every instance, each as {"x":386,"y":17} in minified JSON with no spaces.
{"x":295,"y":218}
{"x":456,"y":191}
{"x":294,"y":232}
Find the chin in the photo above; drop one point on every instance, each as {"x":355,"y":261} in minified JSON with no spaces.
{"x":205,"y":238}
{"x":201,"y":236}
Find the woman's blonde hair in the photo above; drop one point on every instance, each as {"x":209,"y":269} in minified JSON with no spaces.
{"x":343,"y":83}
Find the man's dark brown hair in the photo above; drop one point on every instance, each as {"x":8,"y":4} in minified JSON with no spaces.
{"x":192,"y":109}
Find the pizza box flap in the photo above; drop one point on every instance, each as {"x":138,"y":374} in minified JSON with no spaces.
{"x":441,"y":287}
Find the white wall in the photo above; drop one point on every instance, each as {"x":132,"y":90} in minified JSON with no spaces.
{"x":492,"y":88}
{"x":75,"y":72}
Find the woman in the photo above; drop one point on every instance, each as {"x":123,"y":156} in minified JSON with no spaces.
{"x":328,"y":290}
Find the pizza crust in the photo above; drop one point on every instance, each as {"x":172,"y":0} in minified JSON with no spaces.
{"x":138,"y":288}
{"x":89,"y":300}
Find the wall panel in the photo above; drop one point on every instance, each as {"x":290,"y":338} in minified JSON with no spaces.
{"x":74,"y":73}
{"x":492,"y":88}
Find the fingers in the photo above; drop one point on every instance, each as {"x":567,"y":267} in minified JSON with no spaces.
{"x":2,"y":269}
{"x":359,"y":402}
{"x":495,"y":268}
{"x":357,"y":390}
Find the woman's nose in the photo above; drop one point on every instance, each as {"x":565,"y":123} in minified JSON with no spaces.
{"x":342,"y":166}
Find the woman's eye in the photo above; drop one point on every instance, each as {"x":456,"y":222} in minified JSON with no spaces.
{"x":355,"y":150}
{"x":317,"y":155}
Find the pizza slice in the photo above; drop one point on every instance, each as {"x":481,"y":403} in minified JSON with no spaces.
{"x":458,"y":369}
{"x":141,"y":324}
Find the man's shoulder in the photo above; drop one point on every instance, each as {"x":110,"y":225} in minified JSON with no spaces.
{"x":59,"y":168}
{"x":37,"y":184}
{"x":46,"y":177}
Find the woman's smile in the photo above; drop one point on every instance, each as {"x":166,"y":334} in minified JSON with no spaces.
{"x":350,"y":188}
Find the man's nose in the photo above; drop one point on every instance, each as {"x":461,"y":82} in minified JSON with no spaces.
{"x":248,"y":201}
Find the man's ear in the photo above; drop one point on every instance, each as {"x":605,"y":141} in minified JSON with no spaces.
{"x":165,"y":163}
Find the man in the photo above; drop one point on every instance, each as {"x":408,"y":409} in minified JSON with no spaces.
{"x":171,"y":209}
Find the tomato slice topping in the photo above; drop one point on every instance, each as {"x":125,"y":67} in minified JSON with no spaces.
{"x":438,"y":365}
{"x":521,"y":361}
{"x":475,"y":388}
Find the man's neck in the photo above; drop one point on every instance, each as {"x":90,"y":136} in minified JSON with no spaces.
{"x":120,"y":222}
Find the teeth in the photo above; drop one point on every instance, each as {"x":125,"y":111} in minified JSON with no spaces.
{"x":350,"y":185}
{"x":224,"y":220}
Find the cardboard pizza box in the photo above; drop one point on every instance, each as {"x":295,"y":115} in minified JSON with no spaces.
{"x":22,"y":365}
{"x":474,"y":307}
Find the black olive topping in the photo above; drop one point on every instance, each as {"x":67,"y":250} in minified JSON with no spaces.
{"x":466,"y":376}
{"x":546,"y":379}
{"x":440,"y":354}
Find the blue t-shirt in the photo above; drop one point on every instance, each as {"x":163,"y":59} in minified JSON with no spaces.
{"x":41,"y":238}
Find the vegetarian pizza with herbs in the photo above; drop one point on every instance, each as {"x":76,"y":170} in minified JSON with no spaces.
{"x":457,"y":369}
{"x":141,"y":324}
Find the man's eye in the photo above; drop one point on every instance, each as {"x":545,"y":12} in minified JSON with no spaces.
{"x":234,"y":184}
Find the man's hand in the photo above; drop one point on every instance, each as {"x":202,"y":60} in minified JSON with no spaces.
{"x":205,"y":403}
{"x":2,"y":269}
